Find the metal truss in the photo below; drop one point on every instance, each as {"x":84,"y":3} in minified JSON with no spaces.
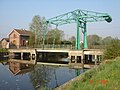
{"x":80,"y":17}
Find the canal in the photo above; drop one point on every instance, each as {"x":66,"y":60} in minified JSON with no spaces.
{"x":23,"y":76}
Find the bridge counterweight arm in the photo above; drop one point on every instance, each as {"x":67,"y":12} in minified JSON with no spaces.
{"x":82,"y":16}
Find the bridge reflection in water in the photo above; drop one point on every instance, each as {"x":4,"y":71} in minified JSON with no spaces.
{"x":18,"y":74}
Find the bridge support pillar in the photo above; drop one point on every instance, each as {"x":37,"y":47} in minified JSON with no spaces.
{"x":76,"y":59}
{"x":21,"y":55}
{"x":95,"y":59}
{"x":82,"y":60}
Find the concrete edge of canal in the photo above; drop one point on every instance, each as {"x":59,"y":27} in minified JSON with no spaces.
{"x":52,"y":64}
{"x":64,"y":65}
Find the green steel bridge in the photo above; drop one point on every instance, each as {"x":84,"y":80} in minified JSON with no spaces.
{"x":81,"y":18}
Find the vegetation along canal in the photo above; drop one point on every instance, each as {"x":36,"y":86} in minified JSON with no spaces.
{"x":21,"y":76}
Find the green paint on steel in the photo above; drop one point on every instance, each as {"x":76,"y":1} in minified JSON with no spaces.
{"x":77,"y":72}
{"x":83,"y":16}
{"x":78,"y":37}
{"x":85,"y":37}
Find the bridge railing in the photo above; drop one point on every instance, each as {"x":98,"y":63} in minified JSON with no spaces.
{"x":45,"y":46}
{"x":59,"y":46}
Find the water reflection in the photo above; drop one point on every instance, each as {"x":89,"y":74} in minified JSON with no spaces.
{"x":16,"y":75}
{"x":52,"y":76}
{"x":41,"y":76}
{"x":19,"y":68}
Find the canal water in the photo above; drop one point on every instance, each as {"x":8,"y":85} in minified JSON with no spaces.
{"x":19,"y":76}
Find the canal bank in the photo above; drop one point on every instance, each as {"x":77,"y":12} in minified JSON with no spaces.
{"x":67,"y":85}
{"x":103,"y":77}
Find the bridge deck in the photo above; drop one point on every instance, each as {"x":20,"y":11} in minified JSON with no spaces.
{"x":62,"y":51}
{"x":86,"y":51}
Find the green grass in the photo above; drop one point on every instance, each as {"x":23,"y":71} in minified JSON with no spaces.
{"x":3,"y":50}
{"x":104,"y":77}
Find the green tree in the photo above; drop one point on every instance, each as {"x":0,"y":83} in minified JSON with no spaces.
{"x":72,"y":39}
{"x":37,"y":28}
{"x":57,"y":34}
{"x":107,"y":40}
{"x":112,"y":50}
{"x":94,"y":40}
{"x":32,"y":39}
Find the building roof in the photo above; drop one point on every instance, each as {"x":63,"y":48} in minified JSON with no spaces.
{"x":21,"y":32}
{"x":7,"y":39}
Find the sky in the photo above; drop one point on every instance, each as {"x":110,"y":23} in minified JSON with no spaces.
{"x":19,"y":13}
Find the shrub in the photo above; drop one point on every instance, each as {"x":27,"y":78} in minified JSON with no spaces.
{"x":112,"y":50}
{"x":3,"y":50}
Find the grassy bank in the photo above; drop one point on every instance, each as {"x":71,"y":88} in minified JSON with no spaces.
{"x":105,"y":77}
